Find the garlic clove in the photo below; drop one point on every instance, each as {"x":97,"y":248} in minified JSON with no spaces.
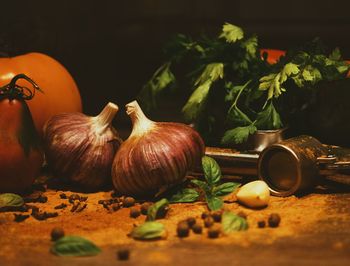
{"x":255,"y":194}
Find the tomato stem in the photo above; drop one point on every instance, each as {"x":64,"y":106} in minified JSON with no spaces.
{"x":14,"y":90}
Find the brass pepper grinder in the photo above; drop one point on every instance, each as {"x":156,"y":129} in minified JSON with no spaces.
{"x":296,"y":164}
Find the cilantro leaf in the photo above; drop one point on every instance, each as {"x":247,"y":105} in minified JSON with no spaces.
{"x":231,"y":33}
{"x":238,"y":135}
{"x":236,"y":117}
{"x":250,"y":45}
{"x":335,"y":54}
{"x":268,"y":118}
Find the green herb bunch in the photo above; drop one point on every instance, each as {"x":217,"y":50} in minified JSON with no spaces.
{"x":232,"y":90}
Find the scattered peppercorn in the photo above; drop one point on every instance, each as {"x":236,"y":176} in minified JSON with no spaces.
{"x":197,"y":229}
{"x":191,"y":221}
{"x":20,"y":217}
{"x":61,"y":206}
{"x":73,"y":198}
{"x":134,"y":212}
{"x":123,"y":254}
{"x":42,"y":199}
{"x":242,"y":214}
{"x":128,"y":202}
{"x":40,"y":216}
{"x":144,"y":207}
{"x":56,"y":233}
{"x":205,"y":214}
{"x":36,"y":197}
{"x":209,"y":221}
{"x":63,"y":196}
{"x":213,"y":232}
{"x":82,"y":198}
{"x":261,"y":224}
{"x":182,"y":229}
{"x":274,"y":220}
{"x":217,"y":216}
{"x":115,"y":207}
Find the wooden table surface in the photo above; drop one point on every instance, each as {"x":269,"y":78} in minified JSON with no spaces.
{"x":314,"y":230}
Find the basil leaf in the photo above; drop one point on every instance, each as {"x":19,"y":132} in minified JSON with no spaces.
{"x":231,"y":222}
{"x":148,"y":230}
{"x":212,"y":171}
{"x":214,"y":203}
{"x":201,"y":184}
{"x":184,"y":195}
{"x":74,"y":246}
{"x":225,"y":188}
{"x":156,"y":208}
{"x":10,"y":200}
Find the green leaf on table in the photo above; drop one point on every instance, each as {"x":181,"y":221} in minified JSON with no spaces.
{"x":201,"y":184}
{"x":10,"y":200}
{"x":231,"y":222}
{"x":197,"y":101}
{"x":268,"y":118}
{"x":148,"y":231}
{"x":231,"y":33}
{"x":74,"y":246}
{"x":238,"y":135}
{"x":211,"y":169}
{"x":184,"y":195}
{"x":225,"y":189}
{"x":214,"y":203}
{"x":158,"y":206}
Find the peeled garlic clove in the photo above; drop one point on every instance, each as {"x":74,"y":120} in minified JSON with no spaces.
{"x":81,"y":148}
{"x":254,"y":194}
{"x":156,"y":154}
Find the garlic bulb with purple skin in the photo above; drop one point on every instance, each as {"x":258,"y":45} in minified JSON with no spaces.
{"x":155,"y":156}
{"x":81,"y":148}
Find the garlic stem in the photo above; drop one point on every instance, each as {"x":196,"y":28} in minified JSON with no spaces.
{"x":104,"y":119}
{"x":141,"y":124}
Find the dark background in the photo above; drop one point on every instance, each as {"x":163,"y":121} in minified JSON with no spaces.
{"x":111,"y":48}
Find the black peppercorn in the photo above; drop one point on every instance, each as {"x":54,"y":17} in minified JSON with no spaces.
{"x":205,"y":214}
{"x":115,"y":207}
{"x":42,"y":199}
{"x":63,"y":196}
{"x":261,"y":224}
{"x":56,"y":233}
{"x":217,"y":216}
{"x":123,"y":254}
{"x":134,"y":212}
{"x":183,"y":229}
{"x":144,"y":207}
{"x":128,"y":202}
{"x":213,"y":232}
{"x":20,"y":217}
{"x":191,"y":221}
{"x":61,"y":206}
{"x":197,"y":229}
{"x":208,"y":222}
{"x":274,"y":220}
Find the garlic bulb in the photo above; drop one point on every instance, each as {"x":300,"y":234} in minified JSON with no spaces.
{"x":156,"y":155}
{"x":255,"y":194}
{"x":81,"y":148}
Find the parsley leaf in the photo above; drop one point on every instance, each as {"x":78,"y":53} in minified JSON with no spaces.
{"x":238,"y":135}
{"x":268,"y":118}
{"x":231,"y":33}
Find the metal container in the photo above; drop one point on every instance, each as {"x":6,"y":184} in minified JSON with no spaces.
{"x":291,"y":165}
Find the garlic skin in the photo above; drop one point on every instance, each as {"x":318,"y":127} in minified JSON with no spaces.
{"x":155,"y":156}
{"x":81,"y":148}
{"x":254,"y":194}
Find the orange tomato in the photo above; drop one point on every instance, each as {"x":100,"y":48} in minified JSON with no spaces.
{"x":61,"y":93}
